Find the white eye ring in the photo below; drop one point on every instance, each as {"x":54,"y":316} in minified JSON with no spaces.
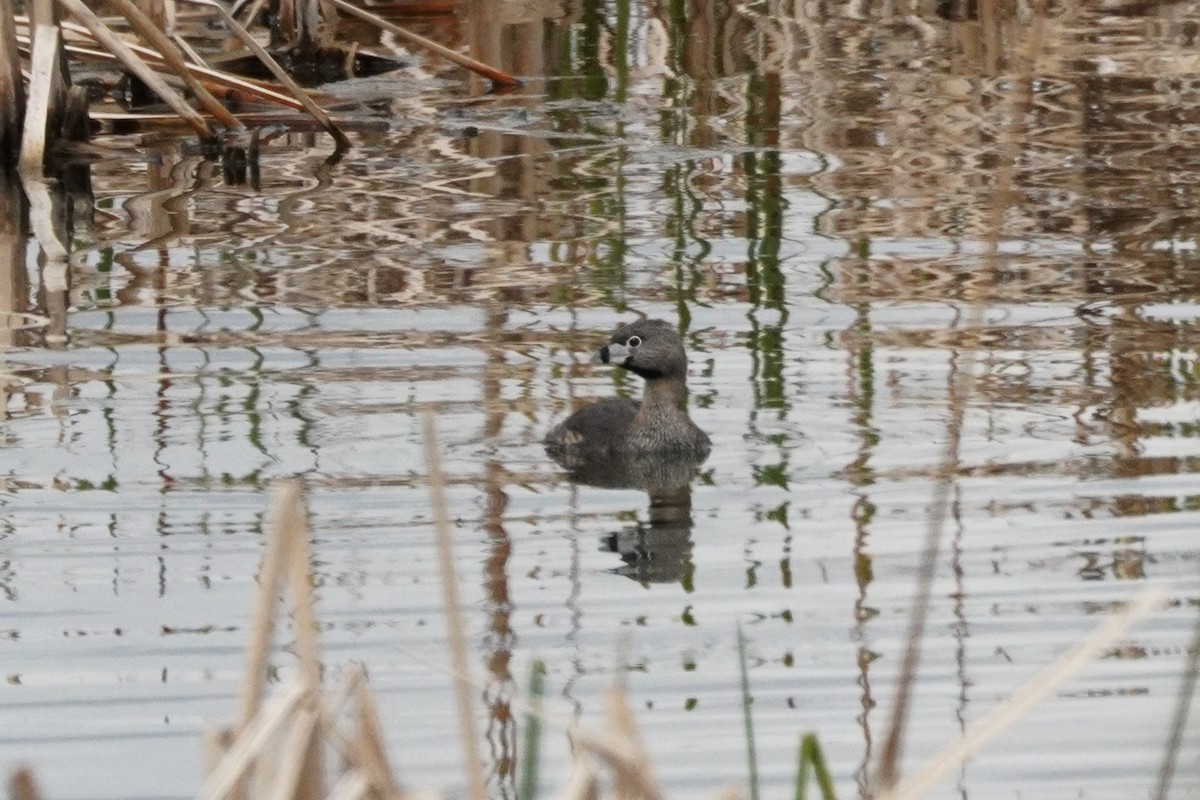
{"x":634,"y":341}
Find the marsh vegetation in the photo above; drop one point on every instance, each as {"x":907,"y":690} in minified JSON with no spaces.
{"x":935,"y":267}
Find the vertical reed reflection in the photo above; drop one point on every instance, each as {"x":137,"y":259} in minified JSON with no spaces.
{"x":14,"y":279}
{"x":961,"y":627}
{"x":501,"y":638}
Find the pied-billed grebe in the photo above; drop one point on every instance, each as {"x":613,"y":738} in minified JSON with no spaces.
{"x":653,"y":350}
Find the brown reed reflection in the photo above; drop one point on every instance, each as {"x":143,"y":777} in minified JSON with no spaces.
{"x":14,"y":280}
{"x":501,"y":638}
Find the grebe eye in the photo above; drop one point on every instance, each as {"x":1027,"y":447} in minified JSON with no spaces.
{"x":634,"y":341}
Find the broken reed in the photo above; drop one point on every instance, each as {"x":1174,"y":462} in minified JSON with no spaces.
{"x":34,"y":123}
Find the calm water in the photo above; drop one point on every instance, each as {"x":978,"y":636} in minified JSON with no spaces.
{"x":844,"y":209}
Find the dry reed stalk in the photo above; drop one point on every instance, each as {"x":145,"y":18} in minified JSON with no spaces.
{"x":292,"y":524}
{"x":159,"y":40}
{"x":137,"y":66}
{"x":456,"y":632}
{"x":961,"y":385}
{"x":270,"y":574}
{"x":334,"y":706}
{"x":634,"y":780}
{"x":210,"y":76}
{"x":47,"y":96}
{"x":43,"y":12}
{"x":962,"y":380}
{"x":364,"y":749}
{"x":292,"y":527}
{"x":581,"y":783}
{"x":12,"y":89}
{"x":184,"y":47}
{"x":351,"y":786}
{"x":497,"y":77}
{"x":625,"y":756}
{"x":608,"y":746}
{"x":1029,"y":694}
{"x":301,"y":96}
{"x":296,"y":749}
{"x":285,"y":559}
{"x":371,"y":752}
{"x":612,"y":750}
{"x":132,"y":123}
{"x":251,"y":742}
{"x":618,"y":748}
{"x":247,"y":14}
{"x":157,"y":10}
{"x":280,"y":747}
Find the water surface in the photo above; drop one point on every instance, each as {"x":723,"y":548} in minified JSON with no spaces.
{"x":844,"y":210}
